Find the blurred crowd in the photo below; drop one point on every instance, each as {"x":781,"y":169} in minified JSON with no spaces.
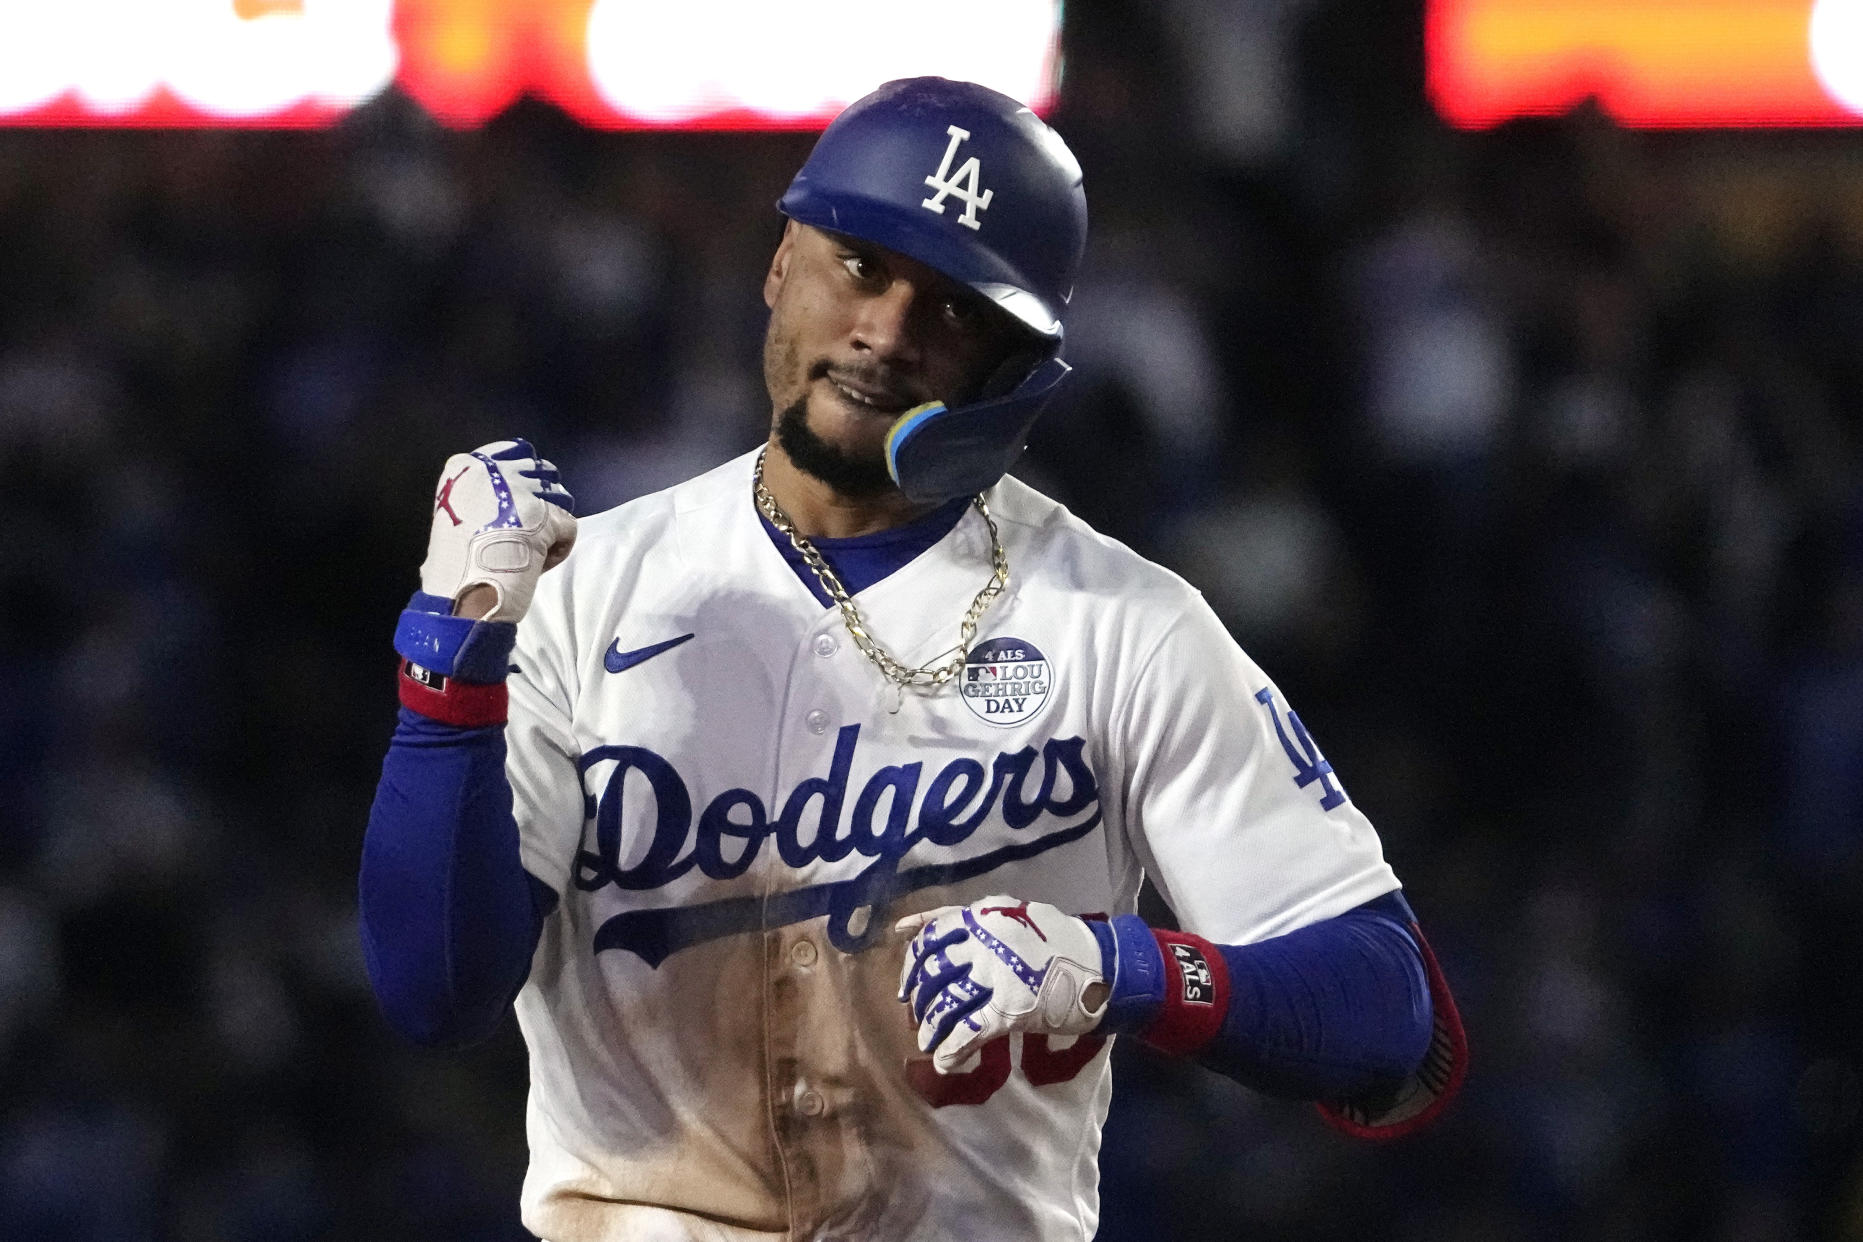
{"x":1530,"y":463}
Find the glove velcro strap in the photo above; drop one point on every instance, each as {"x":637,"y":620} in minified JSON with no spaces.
{"x":451,"y":701}
{"x":1196,"y":994}
{"x":1135,"y":967}
{"x":475,"y":651}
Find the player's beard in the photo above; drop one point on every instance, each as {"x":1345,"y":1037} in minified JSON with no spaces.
{"x":855,"y":477}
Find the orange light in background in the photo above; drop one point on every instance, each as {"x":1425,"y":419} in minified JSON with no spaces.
{"x":462,"y":60}
{"x":250,"y":10}
{"x":1651,"y":63}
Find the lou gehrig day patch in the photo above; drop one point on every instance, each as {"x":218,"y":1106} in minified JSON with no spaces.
{"x":1006,"y":680}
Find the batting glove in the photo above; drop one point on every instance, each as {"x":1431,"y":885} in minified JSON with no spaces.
{"x":500,"y":518}
{"x":976,"y":972}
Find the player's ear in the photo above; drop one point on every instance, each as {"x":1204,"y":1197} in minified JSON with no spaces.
{"x":779,"y":265}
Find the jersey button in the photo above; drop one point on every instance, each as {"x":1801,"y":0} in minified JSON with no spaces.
{"x":810,"y":1104}
{"x":804,"y":953}
{"x":817,"y":721}
{"x":825,"y":645}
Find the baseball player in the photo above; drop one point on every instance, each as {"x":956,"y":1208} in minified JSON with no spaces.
{"x":803,"y":810}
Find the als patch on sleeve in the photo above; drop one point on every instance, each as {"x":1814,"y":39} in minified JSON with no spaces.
{"x":1194,"y":969}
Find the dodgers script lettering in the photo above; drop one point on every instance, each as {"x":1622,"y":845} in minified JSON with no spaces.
{"x":889,"y":818}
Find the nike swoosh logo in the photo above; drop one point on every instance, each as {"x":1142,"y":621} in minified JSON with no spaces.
{"x":619,"y":661}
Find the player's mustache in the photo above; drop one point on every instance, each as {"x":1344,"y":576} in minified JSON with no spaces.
{"x":881,"y":383}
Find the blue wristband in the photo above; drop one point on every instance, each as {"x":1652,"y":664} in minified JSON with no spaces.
{"x":1139,"y":977}
{"x":461,"y":647}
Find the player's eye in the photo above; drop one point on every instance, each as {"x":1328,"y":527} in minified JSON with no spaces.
{"x":861,"y":267}
{"x":962,"y":314}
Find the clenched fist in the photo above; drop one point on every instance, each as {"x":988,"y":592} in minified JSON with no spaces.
{"x":975,"y":972}
{"x":500,"y":518}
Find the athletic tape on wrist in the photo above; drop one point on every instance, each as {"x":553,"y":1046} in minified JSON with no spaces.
{"x":450,"y":701}
{"x":471,"y":650}
{"x":1196,"y":994}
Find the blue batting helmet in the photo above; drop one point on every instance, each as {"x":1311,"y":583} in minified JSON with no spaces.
{"x":973,"y":184}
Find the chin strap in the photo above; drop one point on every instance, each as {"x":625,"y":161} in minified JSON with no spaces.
{"x":935,"y":452}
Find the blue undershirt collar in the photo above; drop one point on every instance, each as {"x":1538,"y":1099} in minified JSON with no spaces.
{"x":859,"y":561}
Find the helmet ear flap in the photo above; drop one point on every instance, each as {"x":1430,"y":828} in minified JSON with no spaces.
{"x":935,"y":452}
{"x":1011,"y":371}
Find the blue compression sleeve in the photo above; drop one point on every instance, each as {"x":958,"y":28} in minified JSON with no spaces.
{"x":1330,"y":1011}
{"x":450,"y":918}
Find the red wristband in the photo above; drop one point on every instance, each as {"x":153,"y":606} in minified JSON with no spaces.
{"x":1196,"y":994}
{"x":450,"y":701}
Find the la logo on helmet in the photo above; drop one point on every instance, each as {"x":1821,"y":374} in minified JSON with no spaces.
{"x":964,"y":184}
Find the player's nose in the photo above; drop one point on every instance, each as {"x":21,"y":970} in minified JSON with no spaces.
{"x":885,"y":327}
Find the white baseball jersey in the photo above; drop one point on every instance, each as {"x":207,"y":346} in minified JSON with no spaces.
{"x":735,"y":808}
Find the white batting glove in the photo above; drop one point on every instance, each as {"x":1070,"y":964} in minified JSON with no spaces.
{"x":500,"y":518}
{"x":977,"y":972}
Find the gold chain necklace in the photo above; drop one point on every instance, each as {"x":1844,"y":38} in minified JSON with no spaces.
{"x":933,"y":674}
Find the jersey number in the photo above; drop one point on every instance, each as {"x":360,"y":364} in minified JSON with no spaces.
{"x":1042,"y":1064}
